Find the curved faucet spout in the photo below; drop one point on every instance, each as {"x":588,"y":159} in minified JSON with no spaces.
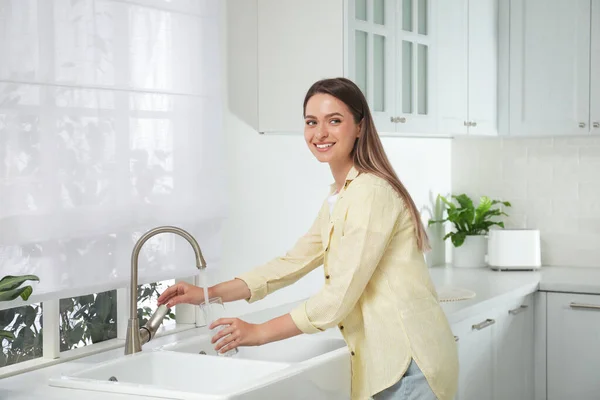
{"x":133,"y":341}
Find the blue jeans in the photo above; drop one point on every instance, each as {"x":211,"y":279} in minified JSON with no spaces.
{"x":412,"y":386}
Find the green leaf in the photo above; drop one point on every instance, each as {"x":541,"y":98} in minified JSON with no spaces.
{"x":9,"y":287}
{"x":12,"y":294}
{"x":6,"y":335}
{"x":458,"y":239}
{"x":10,"y":282}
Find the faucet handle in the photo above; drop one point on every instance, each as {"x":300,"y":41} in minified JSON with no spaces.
{"x":148,"y":331}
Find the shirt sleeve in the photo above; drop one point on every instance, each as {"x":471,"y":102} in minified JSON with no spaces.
{"x":305,"y":256}
{"x":370,"y":223}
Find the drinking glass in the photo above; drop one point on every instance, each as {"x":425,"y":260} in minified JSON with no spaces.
{"x":212,"y":311}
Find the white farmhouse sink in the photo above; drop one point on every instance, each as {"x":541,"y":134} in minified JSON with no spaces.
{"x":172,"y":375}
{"x":293,"y":350}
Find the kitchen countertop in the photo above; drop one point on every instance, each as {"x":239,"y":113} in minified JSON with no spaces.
{"x":492,"y":288}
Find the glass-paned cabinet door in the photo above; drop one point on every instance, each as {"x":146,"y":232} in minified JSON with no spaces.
{"x":414,"y":67}
{"x":370,"y":41}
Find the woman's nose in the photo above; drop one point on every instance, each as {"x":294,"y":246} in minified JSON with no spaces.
{"x":321,"y":133}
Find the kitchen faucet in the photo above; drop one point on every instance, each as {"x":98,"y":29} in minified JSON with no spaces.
{"x":136,"y":337}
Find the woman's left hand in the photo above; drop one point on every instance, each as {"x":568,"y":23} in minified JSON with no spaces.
{"x":238,"y":333}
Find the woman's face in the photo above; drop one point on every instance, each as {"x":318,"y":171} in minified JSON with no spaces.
{"x":329,"y":130}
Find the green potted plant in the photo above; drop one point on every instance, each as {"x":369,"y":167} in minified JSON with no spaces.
{"x":10,"y":289}
{"x":470,"y":227}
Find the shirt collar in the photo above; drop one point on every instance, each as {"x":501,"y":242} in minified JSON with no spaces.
{"x":352,"y":174}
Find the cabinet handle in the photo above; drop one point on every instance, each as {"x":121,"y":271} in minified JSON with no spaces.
{"x":398,"y":119}
{"x":596,"y":124}
{"x":484,"y":324}
{"x":585,"y":306}
{"x":466,"y":123}
{"x":392,"y":119}
{"x":402,"y":120}
{"x":518,"y":310}
{"x":582,"y":124}
{"x":473,"y":123}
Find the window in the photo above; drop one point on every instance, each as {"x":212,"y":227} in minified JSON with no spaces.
{"x":26,"y":326}
{"x":83,"y":320}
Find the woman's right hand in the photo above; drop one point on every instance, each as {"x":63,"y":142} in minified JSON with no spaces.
{"x":181,"y":292}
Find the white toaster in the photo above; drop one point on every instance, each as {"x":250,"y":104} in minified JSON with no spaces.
{"x":514,"y":249}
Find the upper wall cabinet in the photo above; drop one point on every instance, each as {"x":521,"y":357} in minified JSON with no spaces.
{"x":391,"y":56}
{"x":467,"y":60}
{"x":278,"y":48}
{"x":551,"y":68}
{"x":299,"y":42}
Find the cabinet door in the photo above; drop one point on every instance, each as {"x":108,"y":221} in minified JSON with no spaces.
{"x":483,"y":67}
{"x":514,"y":349}
{"x":595,"y":70}
{"x":415,"y":63}
{"x":299,"y":42}
{"x":452,"y":42}
{"x":475,"y":356}
{"x":549,"y":67}
{"x":370,"y":42}
{"x":573,"y":359}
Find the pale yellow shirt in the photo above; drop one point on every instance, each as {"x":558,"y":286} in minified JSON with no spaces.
{"x":377,"y":289}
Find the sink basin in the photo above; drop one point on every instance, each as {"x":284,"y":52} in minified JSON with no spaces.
{"x":173,"y":375}
{"x":293,"y":350}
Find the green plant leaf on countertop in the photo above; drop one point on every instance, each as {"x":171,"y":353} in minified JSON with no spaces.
{"x":468,"y":220}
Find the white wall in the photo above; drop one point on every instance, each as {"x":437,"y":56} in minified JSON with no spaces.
{"x":553,"y":184}
{"x":276,"y":186}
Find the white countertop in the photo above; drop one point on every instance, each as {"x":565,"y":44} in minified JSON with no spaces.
{"x":491,"y":288}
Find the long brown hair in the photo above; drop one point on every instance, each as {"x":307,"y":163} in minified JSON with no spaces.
{"x":368,"y":154}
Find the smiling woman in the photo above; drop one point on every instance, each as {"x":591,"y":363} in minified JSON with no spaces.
{"x":370,"y":240}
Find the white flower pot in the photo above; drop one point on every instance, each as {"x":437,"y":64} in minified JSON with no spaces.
{"x":472,"y":252}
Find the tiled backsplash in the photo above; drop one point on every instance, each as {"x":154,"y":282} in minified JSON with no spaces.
{"x":552,"y":183}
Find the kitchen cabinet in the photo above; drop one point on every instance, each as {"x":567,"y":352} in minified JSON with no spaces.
{"x":550,"y":46}
{"x":298,"y":43}
{"x":573,"y":351}
{"x":514,"y":351}
{"x":385,"y":46}
{"x":467,"y":61}
{"x":496,"y":353}
{"x":595,"y":69}
{"x":475,"y":357}
{"x":391,"y":56}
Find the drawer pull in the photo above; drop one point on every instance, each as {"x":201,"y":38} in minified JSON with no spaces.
{"x":518,"y":310}
{"x":484,"y":324}
{"x":585,"y":306}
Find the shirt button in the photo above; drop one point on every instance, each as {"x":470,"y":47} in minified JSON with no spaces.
{"x":326,"y":276}
{"x":352,"y":353}
{"x":341,"y":327}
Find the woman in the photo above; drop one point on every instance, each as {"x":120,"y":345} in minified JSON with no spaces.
{"x":370,"y":239}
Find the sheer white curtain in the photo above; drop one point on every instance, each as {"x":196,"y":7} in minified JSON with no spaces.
{"x":110,"y":124}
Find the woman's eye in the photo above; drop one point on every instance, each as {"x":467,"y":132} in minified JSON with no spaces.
{"x":335,"y":121}
{"x":311,"y":123}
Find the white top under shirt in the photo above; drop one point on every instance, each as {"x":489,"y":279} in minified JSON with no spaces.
{"x":331,"y":200}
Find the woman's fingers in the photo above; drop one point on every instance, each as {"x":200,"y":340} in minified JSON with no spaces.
{"x":229,"y":346}
{"x":223,"y":321}
{"x":222,"y":333}
{"x":168,"y":294}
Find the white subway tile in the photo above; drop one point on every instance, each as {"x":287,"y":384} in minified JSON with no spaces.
{"x":554,"y":190}
{"x":590,"y":156}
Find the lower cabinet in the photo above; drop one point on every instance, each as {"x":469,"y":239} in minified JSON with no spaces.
{"x":496,"y":354}
{"x":573,"y":346}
